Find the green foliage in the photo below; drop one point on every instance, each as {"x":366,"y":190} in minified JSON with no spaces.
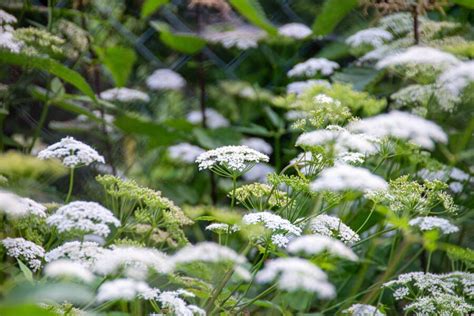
{"x":253,"y":11}
{"x":182,"y":42}
{"x":332,"y":12}
{"x":119,"y":62}
{"x":15,"y":166}
{"x":150,"y":6}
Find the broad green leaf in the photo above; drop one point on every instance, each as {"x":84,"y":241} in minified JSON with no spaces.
{"x":119,"y":62}
{"x":25,"y":310}
{"x":332,"y":13}
{"x":465,"y":3}
{"x":150,"y":6}
{"x":26,"y":271}
{"x":186,"y":43}
{"x":252,"y":10}
{"x":70,"y":106}
{"x":51,"y":66}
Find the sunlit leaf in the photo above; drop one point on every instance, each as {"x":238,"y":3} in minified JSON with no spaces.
{"x":253,"y":11}
{"x":332,"y":13}
{"x":150,"y":6}
{"x":119,"y":62}
{"x":182,"y":42}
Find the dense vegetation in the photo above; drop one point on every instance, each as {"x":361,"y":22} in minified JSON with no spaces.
{"x":213,"y":157}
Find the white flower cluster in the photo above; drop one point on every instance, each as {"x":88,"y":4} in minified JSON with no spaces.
{"x":86,"y":217}
{"x":85,"y":252}
{"x":455,"y":79}
{"x":345,"y":177}
{"x":165,"y":79}
{"x":26,"y":250}
{"x":213,"y":118}
{"x":207,"y":252}
{"x":134,"y":261}
{"x":398,"y":23}
{"x":295,"y":30}
{"x":434,"y":293}
{"x":222,"y":228}
{"x":341,"y":139}
{"x":315,"y":244}
{"x":241,"y":37}
{"x":432,"y":222}
{"x":258,"y":144}
{"x":295,"y":274}
{"x":331,"y":226}
{"x":282,"y":228}
{"x":298,"y":87}
{"x":417,"y":55}
{"x":121,"y":289}
{"x":172,"y":301}
{"x":313,"y":66}
{"x":401,"y":125}
{"x":16,"y":207}
{"x":124,"y":95}
{"x":184,"y":152}
{"x":68,"y":269}
{"x":363,"y":310}
{"x":72,"y":153}
{"x":7,"y":39}
{"x":374,"y":37}
{"x":232,"y":158}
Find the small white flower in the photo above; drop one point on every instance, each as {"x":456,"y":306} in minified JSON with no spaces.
{"x":363,"y":310}
{"x":184,"y":152}
{"x":207,"y":252}
{"x":316,"y":244}
{"x":231,"y":158}
{"x":134,"y":261}
{"x":86,"y":217}
{"x":331,"y":226}
{"x":213,"y":118}
{"x":165,"y":79}
{"x":85,"y":252}
{"x":419,"y":55}
{"x":299,"y":87}
{"x":24,"y":250}
{"x":432,"y":222}
{"x":312,"y":67}
{"x":222,"y":228}
{"x":9,"y":42}
{"x":258,"y":144}
{"x":294,"y":274}
{"x":345,"y":177}
{"x":295,"y":30}
{"x":16,"y":207}
{"x":6,"y":18}
{"x":121,"y":289}
{"x":177,"y":306}
{"x":242,"y":37}
{"x":124,"y":95}
{"x":401,"y":125}
{"x":374,"y":37}
{"x":72,"y":153}
{"x":68,"y":268}
{"x":455,"y":79}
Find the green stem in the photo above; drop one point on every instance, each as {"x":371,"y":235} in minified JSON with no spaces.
{"x":71,"y":182}
{"x":44,"y":114}
{"x":50,"y":14}
{"x":234,"y":187}
{"x":429,"y":262}
{"x":366,"y":220}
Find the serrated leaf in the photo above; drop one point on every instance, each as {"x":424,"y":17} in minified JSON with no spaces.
{"x":119,"y":61}
{"x":186,"y":43}
{"x":150,"y":6}
{"x":332,"y":13}
{"x":26,"y":271}
{"x":252,"y":10}
{"x":51,"y":66}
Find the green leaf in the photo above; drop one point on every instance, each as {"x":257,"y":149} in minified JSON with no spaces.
{"x":252,"y":10}
{"x":150,"y":6}
{"x":119,"y":62}
{"x":213,"y":138}
{"x":186,"y":43}
{"x":466,"y":3}
{"x":41,"y":94}
{"x":51,"y":66}
{"x":332,"y":13}
{"x":359,"y":77}
{"x":25,"y":310}
{"x":160,"y":134}
{"x":26,"y":271}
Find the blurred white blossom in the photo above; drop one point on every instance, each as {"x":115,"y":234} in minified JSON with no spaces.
{"x":184,"y":152}
{"x":432,"y":222}
{"x":213,"y":118}
{"x":295,"y":30}
{"x":316,"y":244}
{"x":124,"y":95}
{"x":68,"y":269}
{"x":313,"y":66}
{"x":165,"y":79}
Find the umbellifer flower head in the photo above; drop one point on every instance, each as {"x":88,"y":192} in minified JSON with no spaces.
{"x":230,"y":161}
{"x":434,"y":223}
{"x":25,"y":250}
{"x":85,"y":217}
{"x":72,"y":153}
{"x":316,"y":244}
